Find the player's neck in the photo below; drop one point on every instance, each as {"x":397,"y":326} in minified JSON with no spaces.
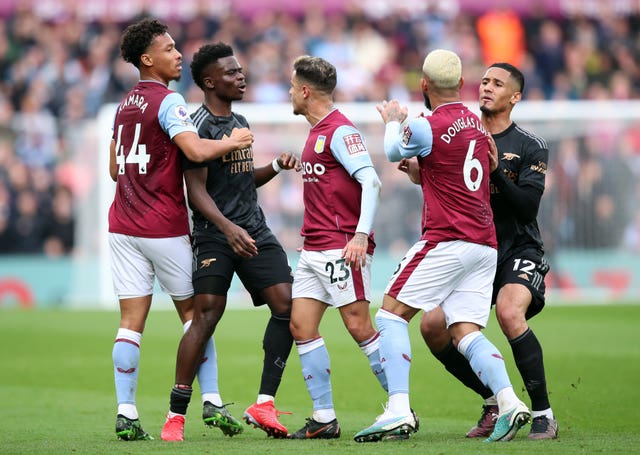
{"x":152,"y":76}
{"x":495,"y":124}
{"x":218,"y":107}
{"x":318,"y":112}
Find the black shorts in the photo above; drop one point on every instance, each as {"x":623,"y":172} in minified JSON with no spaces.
{"x":529,"y":269}
{"x":215,"y":264}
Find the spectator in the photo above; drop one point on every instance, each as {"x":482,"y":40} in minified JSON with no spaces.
{"x":57,"y":67}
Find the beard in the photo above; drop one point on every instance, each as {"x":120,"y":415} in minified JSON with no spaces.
{"x":427,"y":101}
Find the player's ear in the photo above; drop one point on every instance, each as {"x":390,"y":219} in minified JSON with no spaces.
{"x":146,"y":60}
{"x":208,"y":82}
{"x":516,"y":98}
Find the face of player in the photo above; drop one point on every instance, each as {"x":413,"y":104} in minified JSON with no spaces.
{"x":226,"y":78}
{"x":296,"y":92}
{"x":498,"y":92}
{"x":163,"y":59}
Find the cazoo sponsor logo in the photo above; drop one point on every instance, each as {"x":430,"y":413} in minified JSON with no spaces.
{"x":311,"y":171}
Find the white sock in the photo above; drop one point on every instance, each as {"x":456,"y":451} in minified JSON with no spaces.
{"x":213,"y":398}
{"x":399,"y":404}
{"x":507,"y":399}
{"x":547,"y":412}
{"x":130,"y":411}
{"x":324,"y":415}
{"x":264,"y":398}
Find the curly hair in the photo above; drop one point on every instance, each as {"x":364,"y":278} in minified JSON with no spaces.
{"x":138,"y":37}
{"x":206,"y":55}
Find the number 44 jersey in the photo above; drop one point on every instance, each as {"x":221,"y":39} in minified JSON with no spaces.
{"x":149,"y":198}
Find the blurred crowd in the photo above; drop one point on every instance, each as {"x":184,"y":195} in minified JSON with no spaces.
{"x":58,"y":70}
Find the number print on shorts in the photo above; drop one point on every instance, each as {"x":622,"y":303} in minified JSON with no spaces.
{"x":342,"y":273}
{"x":524,"y":265}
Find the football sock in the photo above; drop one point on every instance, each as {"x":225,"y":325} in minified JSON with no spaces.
{"x":130,"y":411}
{"x":545,"y":412}
{"x":371,"y":348}
{"x":527,"y":354}
{"x":264,"y":398}
{"x":126,"y":360}
{"x":316,"y":370}
{"x":395,"y":349}
{"x":324,"y":415}
{"x":277,"y":343}
{"x":179,"y":399}
{"x":207,"y":372}
{"x":485,"y":360}
{"x":456,"y":364}
{"x":507,"y":399}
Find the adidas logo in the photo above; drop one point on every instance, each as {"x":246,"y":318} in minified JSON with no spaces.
{"x":524,"y":276}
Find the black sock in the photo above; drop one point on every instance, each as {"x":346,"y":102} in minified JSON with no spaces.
{"x":459,"y":366}
{"x":179,"y":400}
{"x":277,"y":343}
{"x":527,"y":354}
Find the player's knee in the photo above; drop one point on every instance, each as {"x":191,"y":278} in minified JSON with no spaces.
{"x":511,"y":320}
{"x":299,"y":331}
{"x":434,"y":332}
{"x":360,"y":329}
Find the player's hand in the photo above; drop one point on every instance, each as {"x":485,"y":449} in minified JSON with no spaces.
{"x":493,"y":155}
{"x":288,"y":160}
{"x":411,"y":168}
{"x":243,"y":137}
{"x":240,"y":241}
{"x":391,"y":111}
{"x":355,"y":251}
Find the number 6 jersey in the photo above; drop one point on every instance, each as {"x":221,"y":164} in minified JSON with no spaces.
{"x":149,"y":199}
{"x":453,"y":152}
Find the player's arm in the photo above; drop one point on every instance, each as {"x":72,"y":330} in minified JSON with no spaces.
{"x":355,"y":251}
{"x":113,"y":167}
{"x":525,"y":195}
{"x":349,"y":149}
{"x":410,"y":167}
{"x":285,"y":161}
{"x":175,"y":121}
{"x":415,"y":139}
{"x":238,"y":238}
{"x":200,"y":150}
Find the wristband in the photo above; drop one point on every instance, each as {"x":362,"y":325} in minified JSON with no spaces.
{"x":276,"y":166}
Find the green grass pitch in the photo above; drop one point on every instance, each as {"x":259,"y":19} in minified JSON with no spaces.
{"x":57,"y":394}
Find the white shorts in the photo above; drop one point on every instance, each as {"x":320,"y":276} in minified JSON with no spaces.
{"x":323,"y":275}
{"x":136,"y":261}
{"x":456,"y":275}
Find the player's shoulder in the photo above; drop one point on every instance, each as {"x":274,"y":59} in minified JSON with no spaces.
{"x":205,"y":122}
{"x":530,"y":137}
{"x":241,"y":119}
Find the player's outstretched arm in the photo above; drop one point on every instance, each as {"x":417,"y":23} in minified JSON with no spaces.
{"x":199,"y":150}
{"x":284,"y":162}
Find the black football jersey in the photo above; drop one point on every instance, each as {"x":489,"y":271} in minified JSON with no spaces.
{"x":230,"y":180}
{"x":516,"y":189}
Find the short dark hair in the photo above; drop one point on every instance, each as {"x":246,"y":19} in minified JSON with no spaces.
{"x":513,"y":72}
{"x":207,"y":54}
{"x":317,"y":72}
{"x":138,"y":37}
